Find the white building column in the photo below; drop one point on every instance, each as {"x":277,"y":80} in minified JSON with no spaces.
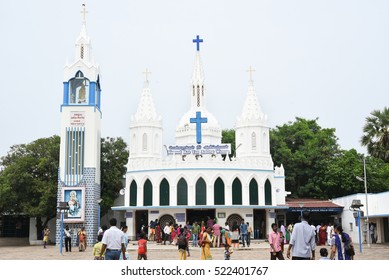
{"x":173,"y":196}
{"x":228,"y":195}
{"x":245,"y":195}
{"x":210,"y":195}
{"x":191,"y":195}
{"x":130,"y":222}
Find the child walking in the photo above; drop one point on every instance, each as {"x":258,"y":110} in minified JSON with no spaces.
{"x":182,"y":243}
{"x":227,"y":252}
{"x":142,"y":247}
{"x":46,"y":234}
{"x":97,"y":248}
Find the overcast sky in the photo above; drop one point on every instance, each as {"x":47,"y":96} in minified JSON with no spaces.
{"x":313,"y":59}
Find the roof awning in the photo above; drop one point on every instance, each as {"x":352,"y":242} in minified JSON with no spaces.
{"x":316,"y":209}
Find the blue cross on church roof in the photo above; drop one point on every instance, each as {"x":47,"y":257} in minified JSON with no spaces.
{"x":198,"y":120}
{"x":198,"y":41}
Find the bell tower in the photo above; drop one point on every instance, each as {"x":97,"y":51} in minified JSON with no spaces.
{"x":79,"y":166}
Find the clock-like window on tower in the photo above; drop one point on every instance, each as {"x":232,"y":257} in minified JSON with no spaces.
{"x":144,"y":142}
{"x":253,"y":141}
{"x":79,"y":89}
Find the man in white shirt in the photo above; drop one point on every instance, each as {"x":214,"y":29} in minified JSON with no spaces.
{"x":113,"y":242}
{"x":330,"y":231}
{"x":166,"y":230}
{"x":302,"y":242}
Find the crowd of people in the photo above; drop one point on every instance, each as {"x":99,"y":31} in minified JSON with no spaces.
{"x":301,"y":239}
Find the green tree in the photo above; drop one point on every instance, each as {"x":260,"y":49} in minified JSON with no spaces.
{"x":28,"y":182}
{"x":377,"y":175}
{"x":376,"y":134}
{"x":228,"y":137}
{"x":340,"y":172}
{"x":114,"y":157}
{"x":29,"y":179}
{"x":304,"y":149}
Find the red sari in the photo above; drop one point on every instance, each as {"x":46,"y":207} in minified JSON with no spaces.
{"x":322,"y":235}
{"x":158,"y":235}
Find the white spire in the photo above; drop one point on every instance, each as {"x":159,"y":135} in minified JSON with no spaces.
{"x":252,"y":109}
{"x":146,"y":109}
{"x":83,"y":44}
{"x":197,"y":95}
{"x":198,"y":72}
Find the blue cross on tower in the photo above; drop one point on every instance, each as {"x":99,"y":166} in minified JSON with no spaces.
{"x":198,"y":41}
{"x":198,"y":120}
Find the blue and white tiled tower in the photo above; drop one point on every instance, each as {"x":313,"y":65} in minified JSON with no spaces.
{"x":79,"y":166}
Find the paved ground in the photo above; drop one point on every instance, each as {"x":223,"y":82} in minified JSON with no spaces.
{"x":11,"y":249}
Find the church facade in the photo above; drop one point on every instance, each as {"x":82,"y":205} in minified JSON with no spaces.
{"x":197,"y":176}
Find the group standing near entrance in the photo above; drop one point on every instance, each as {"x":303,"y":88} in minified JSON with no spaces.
{"x":301,"y":238}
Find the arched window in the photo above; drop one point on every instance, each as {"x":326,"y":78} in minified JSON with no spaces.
{"x":147,"y":193}
{"x":268,"y":197}
{"x":201,"y":192}
{"x":79,"y":89}
{"x":133,"y":193}
{"x":182,"y":192}
{"x":164,"y":193}
{"x":236,"y":192}
{"x":144,"y":142}
{"x":253,"y":189}
{"x":253,"y":141}
{"x":218,"y":192}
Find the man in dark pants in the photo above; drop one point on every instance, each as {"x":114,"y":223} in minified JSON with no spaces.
{"x":275,"y":242}
{"x":113,"y":242}
{"x":68,"y":239}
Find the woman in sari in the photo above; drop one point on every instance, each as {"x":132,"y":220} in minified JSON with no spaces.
{"x":322,"y":234}
{"x":158,"y":235}
{"x":206,"y":245}
{"x":340,"y":239}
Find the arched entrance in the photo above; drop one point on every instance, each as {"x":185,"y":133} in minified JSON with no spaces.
{"x":166,"y":219}
{"x":234,"y":219}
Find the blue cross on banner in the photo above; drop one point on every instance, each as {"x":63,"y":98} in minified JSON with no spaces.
{"x":198,"y":120}
{"x":198,"y":41}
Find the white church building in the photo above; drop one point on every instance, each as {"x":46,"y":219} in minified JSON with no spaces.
{"x":193,"y":178}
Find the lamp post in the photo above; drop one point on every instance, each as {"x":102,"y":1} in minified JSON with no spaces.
{"x":301,"y":211}
{"x":356,"y":206}
{"x":98,"y":212}
{"x":62,"y":207}
{"x":364,"y":180}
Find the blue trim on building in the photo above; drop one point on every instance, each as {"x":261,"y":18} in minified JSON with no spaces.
{"x":99,"y":98}
{"x":316,"y":209}
{"x":65,"y":93}
{"x":82,"y":105}
{"x":92,"y":93}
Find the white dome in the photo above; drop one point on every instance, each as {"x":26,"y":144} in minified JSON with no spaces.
{"x":186,"y":131}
